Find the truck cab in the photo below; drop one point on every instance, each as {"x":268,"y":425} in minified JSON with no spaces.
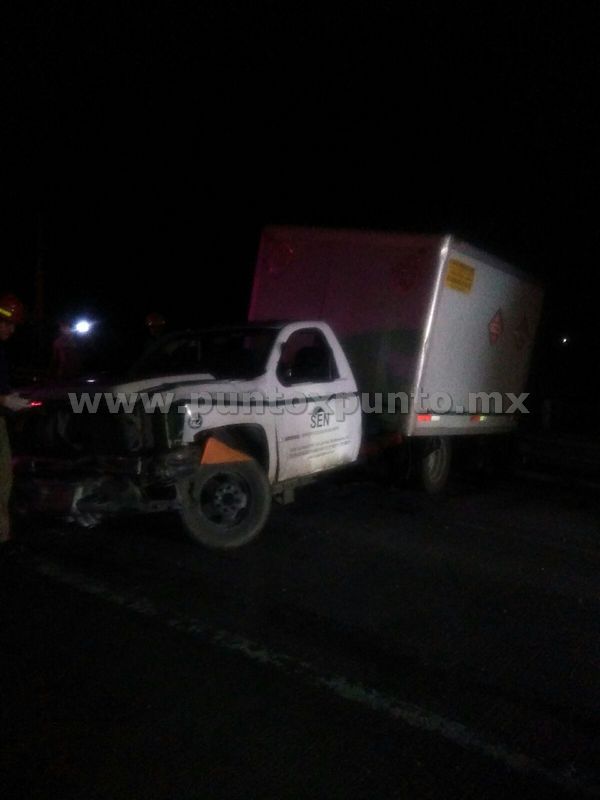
{"x":301,"y":402}
{"x":211,"y":424}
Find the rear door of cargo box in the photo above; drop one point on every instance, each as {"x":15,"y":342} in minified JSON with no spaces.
{"x":479,"y":346}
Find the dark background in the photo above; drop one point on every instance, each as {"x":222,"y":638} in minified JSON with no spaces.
{"x":148,"y":143}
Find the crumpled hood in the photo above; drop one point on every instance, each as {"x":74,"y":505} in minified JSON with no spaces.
{"x":171,"y":388}
{"x":184,"y":386}
{"x":179,"y":384}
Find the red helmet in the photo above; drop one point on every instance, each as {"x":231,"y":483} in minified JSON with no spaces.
{"x":155,"y":320}
{"x":11,"y":308}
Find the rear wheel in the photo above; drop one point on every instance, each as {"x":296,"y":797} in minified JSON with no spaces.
{"x":434,"y":466}
{"x":225,"y":505}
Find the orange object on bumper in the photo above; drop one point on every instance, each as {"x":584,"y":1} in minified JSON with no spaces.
{"x":215,"y":452}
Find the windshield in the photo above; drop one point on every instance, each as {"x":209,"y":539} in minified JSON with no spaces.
{"x":232,"y":353}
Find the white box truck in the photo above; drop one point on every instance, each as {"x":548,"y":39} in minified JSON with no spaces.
{"x":439,"y":334}
{"x":379,"y":339}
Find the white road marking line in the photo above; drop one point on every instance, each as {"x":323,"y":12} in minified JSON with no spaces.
{"x":393,"y":707}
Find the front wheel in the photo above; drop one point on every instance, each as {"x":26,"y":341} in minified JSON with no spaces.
{"x":225,"y":505}
{"x":434,"y":466}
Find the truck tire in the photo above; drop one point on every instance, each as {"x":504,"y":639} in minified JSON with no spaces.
{"x":225,"y":506}
{"x":434,"y":466}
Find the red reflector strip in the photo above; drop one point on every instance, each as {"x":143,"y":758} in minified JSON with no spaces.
{"x":35,"y":404}
{"x":423,"y":417}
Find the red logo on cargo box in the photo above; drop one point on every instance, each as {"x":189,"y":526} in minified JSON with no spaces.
{"x":496,"y":326}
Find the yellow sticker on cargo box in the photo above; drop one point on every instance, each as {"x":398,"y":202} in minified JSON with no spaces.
{"x":459,"y":276}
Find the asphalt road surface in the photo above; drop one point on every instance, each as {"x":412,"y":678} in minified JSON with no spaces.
{"x":373,"y":644}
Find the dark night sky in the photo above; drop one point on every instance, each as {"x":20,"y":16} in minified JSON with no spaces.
{"x":160,"y":137}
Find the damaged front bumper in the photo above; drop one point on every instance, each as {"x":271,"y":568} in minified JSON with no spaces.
{"x":87,"y":492}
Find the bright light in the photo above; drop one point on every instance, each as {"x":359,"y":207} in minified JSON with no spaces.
{"x":82,"y":327}
{"x":564,"y":340}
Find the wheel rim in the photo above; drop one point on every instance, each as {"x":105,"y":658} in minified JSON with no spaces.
{"x":224,"y":500}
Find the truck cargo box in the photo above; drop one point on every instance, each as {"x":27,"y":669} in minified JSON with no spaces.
{"x":446,"y":327}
